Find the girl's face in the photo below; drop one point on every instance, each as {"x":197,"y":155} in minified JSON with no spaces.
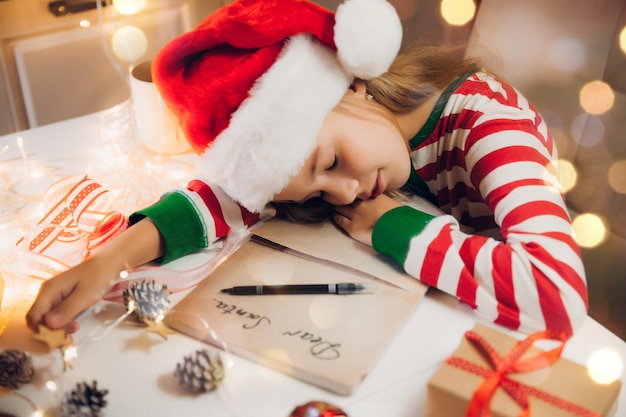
{"x":360,"y":153}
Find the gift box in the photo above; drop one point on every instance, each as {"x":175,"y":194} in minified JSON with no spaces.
{"x":494,"y":374}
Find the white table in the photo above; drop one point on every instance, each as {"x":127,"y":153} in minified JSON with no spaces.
{"x":137,"y":367}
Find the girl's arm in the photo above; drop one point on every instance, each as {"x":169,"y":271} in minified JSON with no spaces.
{"x":183,"y":221}
{"x":532,"y":280}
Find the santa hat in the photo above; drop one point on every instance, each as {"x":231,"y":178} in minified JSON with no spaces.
{"x":253,"y":82}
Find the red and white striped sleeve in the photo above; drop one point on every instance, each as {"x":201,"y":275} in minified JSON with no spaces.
{"x":493,"y":159}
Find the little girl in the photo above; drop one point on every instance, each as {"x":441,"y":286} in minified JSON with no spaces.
{"x":296,"y":110}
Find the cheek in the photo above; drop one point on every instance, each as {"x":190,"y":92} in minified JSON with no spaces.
{"x":404,"y":169}
{"x":399,"y":158}
{"x":293,"y":191}
{"x":392,"y":144}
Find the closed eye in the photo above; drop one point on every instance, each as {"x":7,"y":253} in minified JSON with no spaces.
{"x":334,"y":164}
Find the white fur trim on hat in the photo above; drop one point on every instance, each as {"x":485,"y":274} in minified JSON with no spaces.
{"x":275,"y":129}
{"x":368,"y":35}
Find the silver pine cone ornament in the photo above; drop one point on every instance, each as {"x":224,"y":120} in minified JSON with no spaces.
{"x":84,"y":401}
{"x":147,"y":299}
{"x":16,"y":368}
{"x":200,"y":373}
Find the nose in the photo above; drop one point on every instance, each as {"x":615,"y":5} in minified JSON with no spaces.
{"x":341,"y":191}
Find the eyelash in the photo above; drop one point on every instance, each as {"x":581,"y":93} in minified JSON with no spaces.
{"x":334,"y":164}
{"x":330,"y":168}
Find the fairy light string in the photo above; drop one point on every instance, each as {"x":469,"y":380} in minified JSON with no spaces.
{"x":133,"y":178}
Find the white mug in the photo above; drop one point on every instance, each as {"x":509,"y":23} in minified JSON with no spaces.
{"x":156,"y":125}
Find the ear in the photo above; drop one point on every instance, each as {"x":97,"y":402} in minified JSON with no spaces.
{"x":357,"y":93}
{"x":358,"y":86}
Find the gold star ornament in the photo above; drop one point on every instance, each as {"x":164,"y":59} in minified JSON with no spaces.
{"x":53,"y":338}
{"x":58,"y":339}
{"x":158,"y":327}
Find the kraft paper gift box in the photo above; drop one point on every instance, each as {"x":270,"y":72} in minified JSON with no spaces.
{"x":558,"y":389}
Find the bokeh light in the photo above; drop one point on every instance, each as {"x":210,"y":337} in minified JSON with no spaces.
{"x":596,"y":97}
{"x":84,"y":23}
{"x":458,"y":12}
{"x":129,"y":43}
{"x":567,"y":55}
{"x":589,"y":230}
{"x":52,"y":386}
{"x":326,"y":312}
{"x":568,"y":175}
{"x":7,"y":243}
{"x":129,"y":7}
{"x":617,"y":176}
{"x":622,"y":40}
{"x":274,"y":355}
{"x":587,"y":130}
{"x":605,"y":366}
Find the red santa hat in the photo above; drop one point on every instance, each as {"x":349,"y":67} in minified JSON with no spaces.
{"x":253,"y":82}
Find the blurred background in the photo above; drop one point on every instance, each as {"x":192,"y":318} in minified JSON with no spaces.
{"x":63,"y":59}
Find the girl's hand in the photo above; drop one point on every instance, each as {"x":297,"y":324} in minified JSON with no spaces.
{"x":358,"y":219}
{"x":66,"y":295}
{"x":63,"y":297}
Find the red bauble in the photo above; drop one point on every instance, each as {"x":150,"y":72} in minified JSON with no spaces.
{"x":317,"y":409}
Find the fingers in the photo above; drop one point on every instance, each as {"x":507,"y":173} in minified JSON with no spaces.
{"x":56,"y":316}
{"x":341,"y":221}
{"x":345,"y":211}
{"x":61,"y":299}
{"x":35,"y":315}
{"x":51,"y":294}
{"x":62,"y":315}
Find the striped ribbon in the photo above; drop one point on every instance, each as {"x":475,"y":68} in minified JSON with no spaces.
{"x":77,"y":220}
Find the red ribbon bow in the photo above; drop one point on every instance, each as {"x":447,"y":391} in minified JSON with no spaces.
{"x":510,"y":363}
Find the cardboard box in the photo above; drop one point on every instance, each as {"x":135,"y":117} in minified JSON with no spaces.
{"x":566,"y":387}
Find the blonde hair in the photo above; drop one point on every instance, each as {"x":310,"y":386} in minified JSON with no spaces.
{"x":417,"y":73}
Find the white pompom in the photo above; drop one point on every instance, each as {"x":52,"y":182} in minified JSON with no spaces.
{"x":368,"y":35}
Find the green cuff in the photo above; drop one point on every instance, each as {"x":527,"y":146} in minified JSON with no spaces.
{"x":180,"y":225}
{"x":394,"y":230}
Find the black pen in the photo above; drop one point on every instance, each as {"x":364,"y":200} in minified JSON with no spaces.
{"x":340,"y":288}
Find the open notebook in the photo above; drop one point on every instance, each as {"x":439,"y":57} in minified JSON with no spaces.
{"x":331,"y":341}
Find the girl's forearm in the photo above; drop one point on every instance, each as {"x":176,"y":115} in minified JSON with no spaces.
{"x":136,"y":246}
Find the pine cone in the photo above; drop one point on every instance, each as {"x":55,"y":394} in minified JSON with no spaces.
{"x":150,"y":300}
{"x":73,"y":410}
{"x":200,"y":374}
{"x":16,"y":368}
{"x":84,"y":401}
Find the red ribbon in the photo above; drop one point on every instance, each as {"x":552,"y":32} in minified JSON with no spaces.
{"x":77,"y":220}
{"x":510,"y":363}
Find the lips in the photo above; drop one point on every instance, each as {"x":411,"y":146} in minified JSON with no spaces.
{"x":378,"y":186}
